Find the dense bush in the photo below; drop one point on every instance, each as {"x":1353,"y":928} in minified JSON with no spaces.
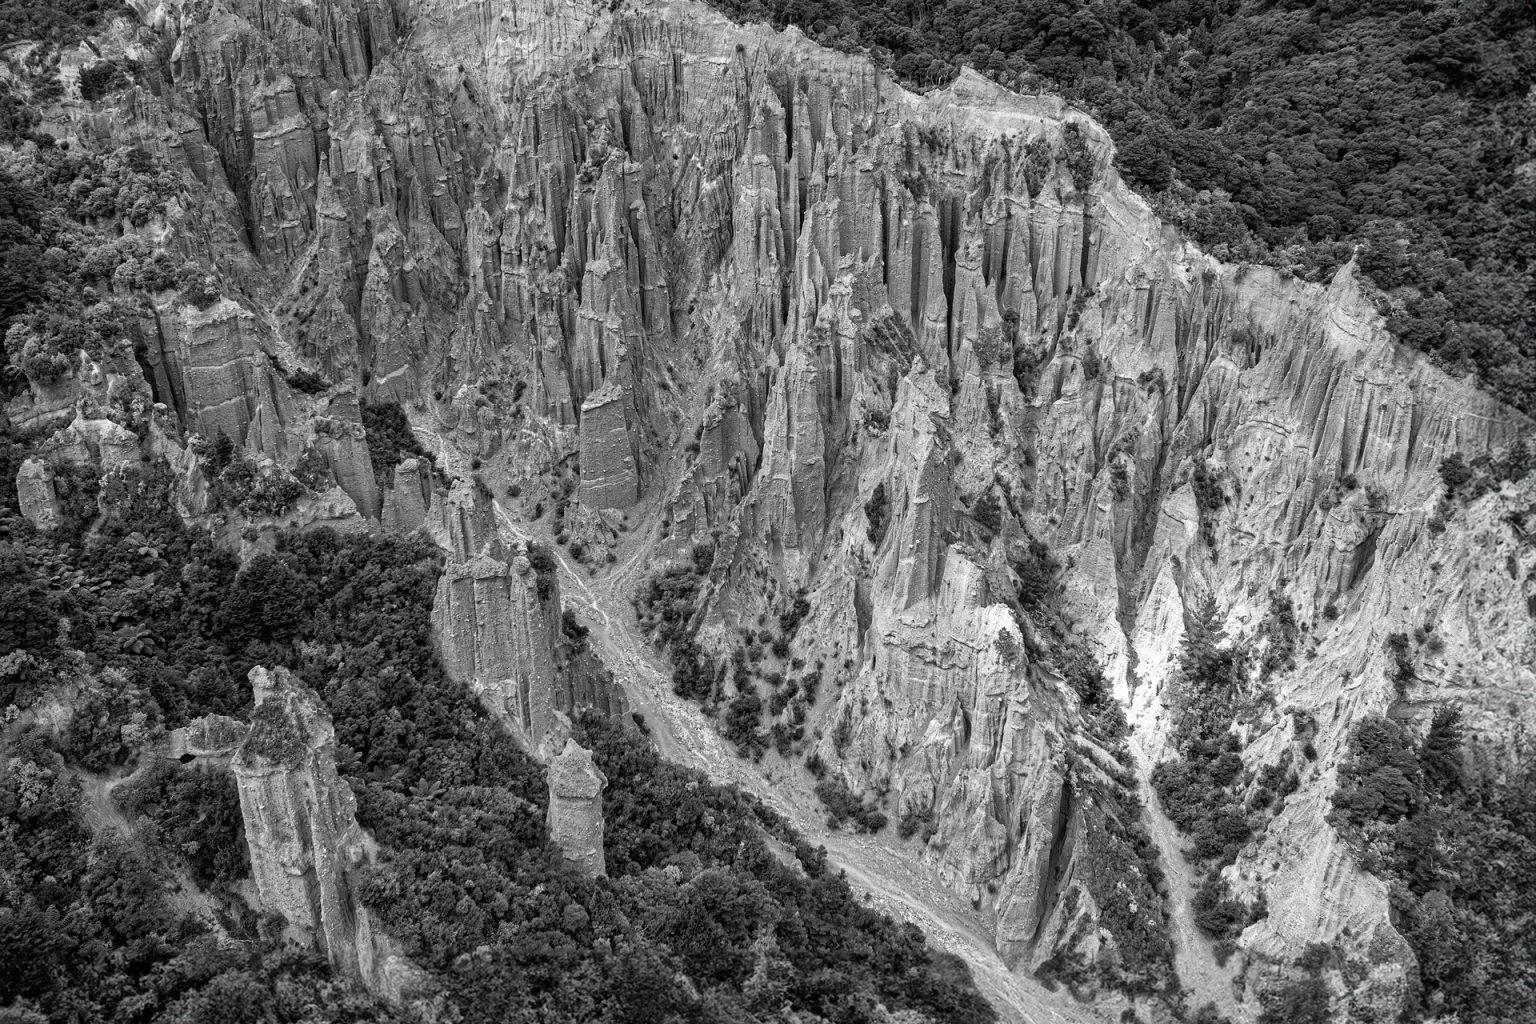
{"x":198,"y":817}
{"x":877,"y":511}
{"x":988,"y":513}
{"x":843,"y":805}
{"x":698,"y":913}
{"x":1298,"y":1002}
{"x":1466,"y":481}
{"x":546,"y":570}
{"x":667,"y":604}
{"x":1458,"y":853}
{"x":666,"y":608}
{"x":743,"y":720}
{"x":57,"y":21}
{"x":111,"y":721}
{"x":1280,"y":634}
{"x":100,"y":78}
{"x":1202,"y":789}
{"x":71,"y":275}
{"x":390,"y":439}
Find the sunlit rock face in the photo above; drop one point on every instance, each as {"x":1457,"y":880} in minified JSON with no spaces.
{"x":302,"y":832}
{"x":575,"y":815}
{"x":748,"y":284}
{"x":497,"y":622}
{"x":496,"y":618}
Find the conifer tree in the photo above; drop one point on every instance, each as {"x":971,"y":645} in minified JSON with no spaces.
{"x":1440,"y":755}
{"x":1203,"y":636}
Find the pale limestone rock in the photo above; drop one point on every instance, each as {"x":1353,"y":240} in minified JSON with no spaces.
{"x":340,"y":435}
{"x":304,"y":840}
{"x":409,"y":498}
{"x":211,"y":741}
{"x":608,"y":473}
{"x":463,"y":522}
{"x":115,"y":446}
{"x":575,"y":815}
{"x":194,"y":495}
{"x":497,"y":620}
{"x":34,"y":492}
{"x":68,"y":445}
{"x":298,"y":813}
{"x":555,"y":737}
{"x":332,"y":508}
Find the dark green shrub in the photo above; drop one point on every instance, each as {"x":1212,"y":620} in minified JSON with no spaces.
{"x":877,"y":513}
{"x":308,"y":382}
{"x":988,"y":513}
{"x":269,"y":602}
{"x":390,"y":439}
{"x":743,"y":716}
{"x":1300,"y":1002}
{"x":100,"y":78}
{"x":843,"y":806}
{"x":198,"y":815}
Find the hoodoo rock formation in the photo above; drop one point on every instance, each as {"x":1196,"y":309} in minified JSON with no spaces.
{"x":36,"y":496}
{"x":497,"y":619}
{"x":305,"y":843}
{"x":919,"y":360}
{"x":575,"y":815}
{"x":209,"y":743}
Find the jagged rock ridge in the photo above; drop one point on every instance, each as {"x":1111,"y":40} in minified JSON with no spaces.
{"x":563,"y":228}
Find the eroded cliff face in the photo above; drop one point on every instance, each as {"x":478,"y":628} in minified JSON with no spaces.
{"x":497,"y":618}
{"x":301,"y":828}
{"x":752,"y":285}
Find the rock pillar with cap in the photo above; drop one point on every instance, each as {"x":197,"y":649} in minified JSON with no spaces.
{"x":575,"y":800}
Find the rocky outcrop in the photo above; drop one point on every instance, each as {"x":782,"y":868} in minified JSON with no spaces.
{"x":221,"y":378}
{"x":102,"y":444}
{"x":340,"y":435}
{"x":210,"y":742}
{"x":305,"y":843}
{"x":408,"y":500}
{"x":609,"y":477}
{"x":36,"y":497}
{"x":575,"y":815}
{"x":497,"y":619}
{"x":761,"y":284}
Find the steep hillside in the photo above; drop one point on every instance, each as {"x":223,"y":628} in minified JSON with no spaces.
{"x":972,"y":502}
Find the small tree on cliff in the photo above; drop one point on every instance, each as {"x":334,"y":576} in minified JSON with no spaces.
{"x":1203,"y":637}
{"x":1440,"y":755}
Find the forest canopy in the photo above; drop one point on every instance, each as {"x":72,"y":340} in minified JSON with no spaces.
{"x":154,"y":625}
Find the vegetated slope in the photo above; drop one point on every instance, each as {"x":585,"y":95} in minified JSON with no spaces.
{"x":1459,"y":851}
{"x":1287,"y":133}
{"x":909,"y":340}
{"x":153,"y":625}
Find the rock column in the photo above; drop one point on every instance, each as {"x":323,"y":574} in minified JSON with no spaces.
{"x":303,"y":835}
{"x":34,"y":492}
{"x":497,"y":619}
{"x":576,"y":805}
